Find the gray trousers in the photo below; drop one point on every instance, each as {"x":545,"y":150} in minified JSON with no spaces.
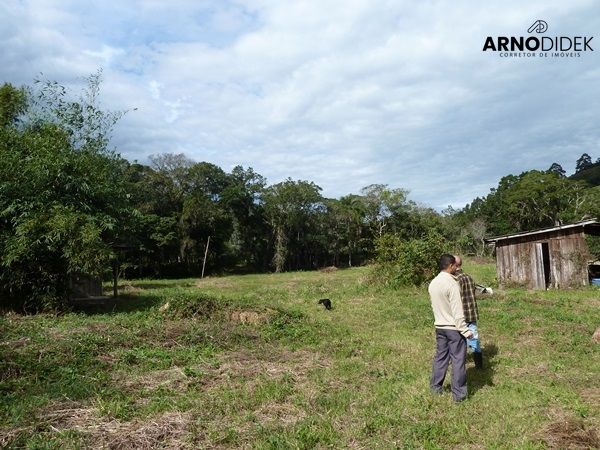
{"x":450,"y":346}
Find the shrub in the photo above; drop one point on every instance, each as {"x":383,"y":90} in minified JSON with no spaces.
{"x":183,"y":305}
{"x":401,"y":262}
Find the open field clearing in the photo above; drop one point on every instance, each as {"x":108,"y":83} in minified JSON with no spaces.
{"x":253,"y":362}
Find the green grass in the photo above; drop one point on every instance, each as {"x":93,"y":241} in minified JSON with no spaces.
{"x":293,"y":375}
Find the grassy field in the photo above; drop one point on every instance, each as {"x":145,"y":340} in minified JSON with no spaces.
{"x":253,"y":362}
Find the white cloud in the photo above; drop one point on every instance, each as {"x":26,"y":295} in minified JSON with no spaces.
{"x":342,"y":93}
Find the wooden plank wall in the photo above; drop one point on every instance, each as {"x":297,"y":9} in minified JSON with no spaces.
{"x":516,"y":259}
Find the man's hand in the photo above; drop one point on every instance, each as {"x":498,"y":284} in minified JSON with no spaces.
{"x":469,"y":335}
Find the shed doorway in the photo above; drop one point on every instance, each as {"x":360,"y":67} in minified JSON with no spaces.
{"x":542,"y":262}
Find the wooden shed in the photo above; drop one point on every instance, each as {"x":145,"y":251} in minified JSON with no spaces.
{"x":555,"y":257}
{"x":85,"y":286}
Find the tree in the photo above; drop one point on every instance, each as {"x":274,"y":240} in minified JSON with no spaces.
{"x":531,"y":200}
{"x":346,"y":229}
{"x":541,"y":199}
{"x":383,"y":205}
{"x":172,"y":176}
{"x":557,"y":169}
{"x":13,"y":103}
{"x":289,"y":209}
{"x":477,"y":231}
{"x":249,"y":239}
{"x":204,"y":213}
{"x":88,"y":126}
{"x":67,"y":205}
{"x":583,"y":162}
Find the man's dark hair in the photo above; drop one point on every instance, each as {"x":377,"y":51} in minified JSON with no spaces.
{"x":445,"y":261}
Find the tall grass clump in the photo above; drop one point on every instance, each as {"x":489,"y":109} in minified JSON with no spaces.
{"x":184,"y":304}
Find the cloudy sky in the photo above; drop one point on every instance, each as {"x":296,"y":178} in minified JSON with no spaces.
{"x":343,"y":93}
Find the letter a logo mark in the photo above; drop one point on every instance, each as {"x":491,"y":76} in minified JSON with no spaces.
{"x":539,"y":26}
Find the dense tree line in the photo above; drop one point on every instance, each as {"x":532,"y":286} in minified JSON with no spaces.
{"x":69,"y":204}
{"x":190,"y":211}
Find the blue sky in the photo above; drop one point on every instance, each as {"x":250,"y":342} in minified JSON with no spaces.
{"x":342,"y":93}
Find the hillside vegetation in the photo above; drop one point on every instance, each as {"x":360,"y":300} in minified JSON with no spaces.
{"x":590,"y":174}
{"x":253,"y":362}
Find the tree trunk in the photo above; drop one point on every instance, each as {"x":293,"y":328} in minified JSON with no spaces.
{"x":280,"y":250}
{"x":115,"y":278}
{"x":205,"y":255}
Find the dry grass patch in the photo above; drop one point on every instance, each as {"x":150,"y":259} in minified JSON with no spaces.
{"x":596,"y":336}
{"x":16,"y":343}
{"x":273,"y":413}
{"x":234,"y":367}
{"x":531,"y":334}
{"x":271,"y":362}
{"x":169,"y":430}
{"x":540,"y":369}
{"x":251,"y":317}
{"x":244,"y":370}
{"x":171,"y":332}
{"x":222,"y":283}
{"x":166,"y":431}
{"x":591,"y":396}
{"x":172,"y":378}
{"x":569,"y":433}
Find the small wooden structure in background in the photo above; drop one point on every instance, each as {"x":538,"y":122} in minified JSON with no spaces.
{"x":84,"y":287}
{"x":555,"y":257}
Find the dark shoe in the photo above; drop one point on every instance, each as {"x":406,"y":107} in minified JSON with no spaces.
{"x":478,"y":358}
{"x":436,"y":390}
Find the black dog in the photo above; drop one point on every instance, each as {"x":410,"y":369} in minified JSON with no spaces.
{"x":325,"y":302}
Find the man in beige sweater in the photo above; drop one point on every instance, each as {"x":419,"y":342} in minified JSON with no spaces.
{"x":450,"y":330}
